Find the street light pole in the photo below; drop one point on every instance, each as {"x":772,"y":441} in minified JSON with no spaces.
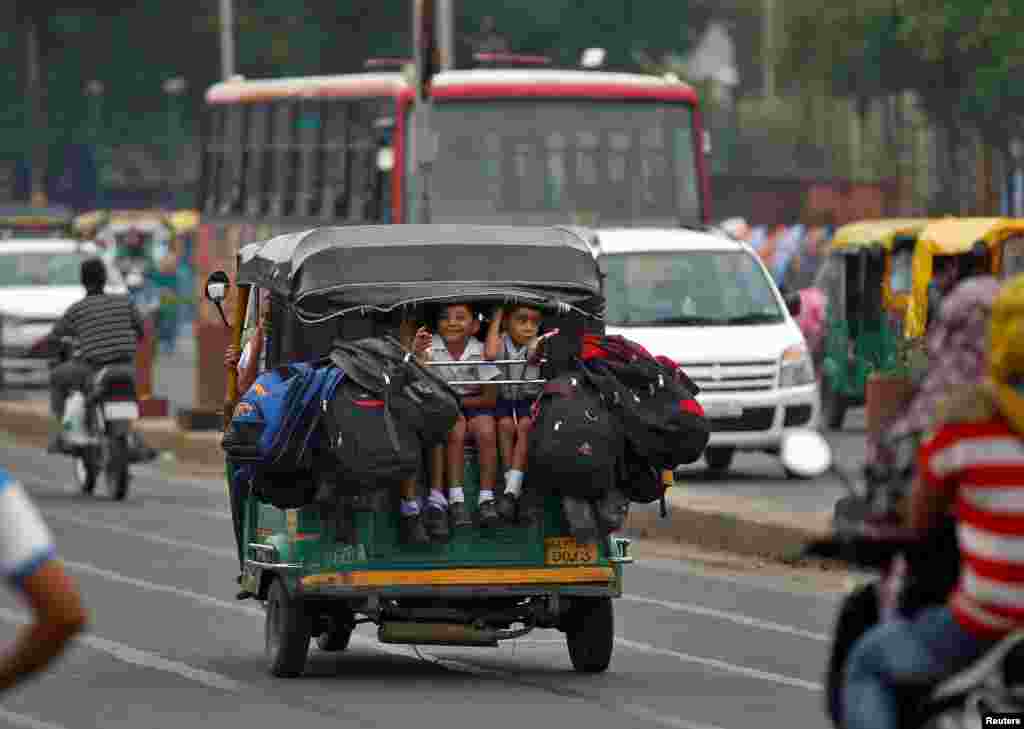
{"x":227,"y":39}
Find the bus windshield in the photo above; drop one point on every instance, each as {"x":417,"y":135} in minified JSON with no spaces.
{"x":544,"y":162}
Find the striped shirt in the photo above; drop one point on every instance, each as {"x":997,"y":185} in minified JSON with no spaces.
{"x":981,"y":465}
{"x":25,"y":541}
{"x":107,"y":328}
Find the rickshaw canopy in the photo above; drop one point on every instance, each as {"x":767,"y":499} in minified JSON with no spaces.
{"x":870,"y":233}
{"x":952,"y":236}
{"x":328,"y":271}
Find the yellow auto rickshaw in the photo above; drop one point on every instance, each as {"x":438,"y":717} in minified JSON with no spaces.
{"x":974,"y":245}
{"x":866,"y":282}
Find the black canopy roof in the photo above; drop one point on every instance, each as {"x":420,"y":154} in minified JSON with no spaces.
{"x":391,"y":265}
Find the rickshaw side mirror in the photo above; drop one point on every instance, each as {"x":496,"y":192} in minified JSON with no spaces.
{"x":794,"y":303}
{"x":217,"y":285}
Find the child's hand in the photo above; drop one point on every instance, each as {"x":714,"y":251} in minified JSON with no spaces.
{"x":498,"y":313}
{"x":232,"y":356}
{"x":422,"y":341}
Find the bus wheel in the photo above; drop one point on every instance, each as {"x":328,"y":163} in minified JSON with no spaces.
{"x":590,"y":633}
{"x":287,"y":632}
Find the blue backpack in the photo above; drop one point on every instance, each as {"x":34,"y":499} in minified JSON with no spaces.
{"x":275,"y":422}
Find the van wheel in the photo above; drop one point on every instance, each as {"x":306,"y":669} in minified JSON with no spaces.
{"x":287,"y":632}
{"x":833,"y":406}
{"x":719,"y":458}
{"x":590,"y":633}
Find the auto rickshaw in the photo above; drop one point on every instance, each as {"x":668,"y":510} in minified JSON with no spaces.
{"x":996,"y":245}
{"x":866,"y":280}
{"x":24,"y":221}
{"x":322,"y":572}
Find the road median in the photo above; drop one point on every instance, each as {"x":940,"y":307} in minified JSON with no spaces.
{"x":718,"y":522}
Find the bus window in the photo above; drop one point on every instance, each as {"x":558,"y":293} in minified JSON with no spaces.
{"x":258,"y":146}
{"x":309,"y":141}
{"x":282,"y":187}
{"x":334,"y":161}
{"x":687,"y":194}
{"x":362,"y":153}
{"x":214,"y":157}
{"x":229,"y":197}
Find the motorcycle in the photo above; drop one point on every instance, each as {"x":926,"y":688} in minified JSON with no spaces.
{"x":105,"y":444}
{"x":914,"y":572}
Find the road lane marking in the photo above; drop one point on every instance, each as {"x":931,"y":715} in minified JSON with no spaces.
{"x":27,"y":722}
{"x":721,"y":665}
{"x":728,"y":615}
{"x":165,"y":541}
{"x":138,"y":657}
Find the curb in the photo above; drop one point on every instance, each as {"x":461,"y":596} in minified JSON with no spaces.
{"x":719,"y":523}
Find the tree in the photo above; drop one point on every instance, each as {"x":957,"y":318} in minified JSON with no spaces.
{"x":33,"y":17}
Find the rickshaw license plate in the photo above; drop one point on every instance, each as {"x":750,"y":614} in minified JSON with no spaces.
{"x":559,"y":551}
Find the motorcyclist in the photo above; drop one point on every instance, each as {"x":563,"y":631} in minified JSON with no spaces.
{"x":956,"y":351}
{"x":106,"y":329}
{"x":975,"y":461}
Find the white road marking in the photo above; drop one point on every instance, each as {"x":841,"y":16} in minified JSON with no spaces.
{"x":721,"y":665}
{"x":116,"y":529}
{"x":727,"y":615}
{"x":142,"y":658}
{"x":27,"y":722}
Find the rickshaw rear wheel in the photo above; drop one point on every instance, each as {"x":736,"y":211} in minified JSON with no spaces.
{"x":590,"y":633}
{"x":833,"y":406}
{"x":287,"y":632}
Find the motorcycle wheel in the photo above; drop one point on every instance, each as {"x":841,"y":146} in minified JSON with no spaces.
{"x":85,"y":472}
{"x":116,"y":473}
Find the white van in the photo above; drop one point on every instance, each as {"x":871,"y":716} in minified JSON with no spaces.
{"x":708,"y":302}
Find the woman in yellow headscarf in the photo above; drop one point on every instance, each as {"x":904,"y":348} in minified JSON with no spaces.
{"x":1006,"y":352}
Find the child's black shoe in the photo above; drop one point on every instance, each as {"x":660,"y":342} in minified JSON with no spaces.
{"x":508,"y":507}
{"x":460,"y":518}
{"x":412,"y":529}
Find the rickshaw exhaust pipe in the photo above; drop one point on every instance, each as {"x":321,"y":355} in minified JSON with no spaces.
{"x":436,"y":634}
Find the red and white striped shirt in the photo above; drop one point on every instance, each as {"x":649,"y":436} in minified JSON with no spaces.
{"x":981,"y":464}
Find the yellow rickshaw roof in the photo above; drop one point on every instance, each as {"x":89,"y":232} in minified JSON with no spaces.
{"x":181,"y":220}
{"x":952,"y":236}
{"x":866,"y":233}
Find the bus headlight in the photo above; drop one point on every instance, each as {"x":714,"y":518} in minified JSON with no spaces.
{"x":796,"y":367}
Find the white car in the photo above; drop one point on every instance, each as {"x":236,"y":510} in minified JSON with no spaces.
{"x":39,"y":280}
{"x":708,"y":302}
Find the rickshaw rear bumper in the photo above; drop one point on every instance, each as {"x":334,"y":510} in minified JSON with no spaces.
{"x":758,"y":420}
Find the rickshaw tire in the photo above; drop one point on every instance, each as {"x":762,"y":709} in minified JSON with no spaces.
{"x":590,"y":634}
{"x":833,"y":406}
{"x":287,"y":642}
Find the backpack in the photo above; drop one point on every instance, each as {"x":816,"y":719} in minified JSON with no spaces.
{"x":640,"y":481}
{"x":413,"y":393}
{"x":661,"y":420}
{"x":273,"y":432}
{"x":575,"y":442}
{"x":369,"y":443}
{"x":276,"y":419}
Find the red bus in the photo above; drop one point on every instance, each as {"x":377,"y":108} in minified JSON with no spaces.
{"x":508,"y":146}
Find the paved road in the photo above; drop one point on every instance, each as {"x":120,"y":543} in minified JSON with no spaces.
{"x":761,"y":476}
{"x":170,"y":647}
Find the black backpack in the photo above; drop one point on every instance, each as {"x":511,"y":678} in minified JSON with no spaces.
{"x":641,"y":482}
{"x":660,"y":418}
{"x":414,"y":394}
{"x":575,"y":442}
{"x":370,"y":444}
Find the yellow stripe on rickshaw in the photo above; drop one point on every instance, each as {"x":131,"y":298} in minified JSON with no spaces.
{"x":461,"y":576}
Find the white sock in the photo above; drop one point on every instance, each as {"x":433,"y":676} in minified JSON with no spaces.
{"x":514,"y":483}
{"x":486,"y":495}
{"x":456,"y":496}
